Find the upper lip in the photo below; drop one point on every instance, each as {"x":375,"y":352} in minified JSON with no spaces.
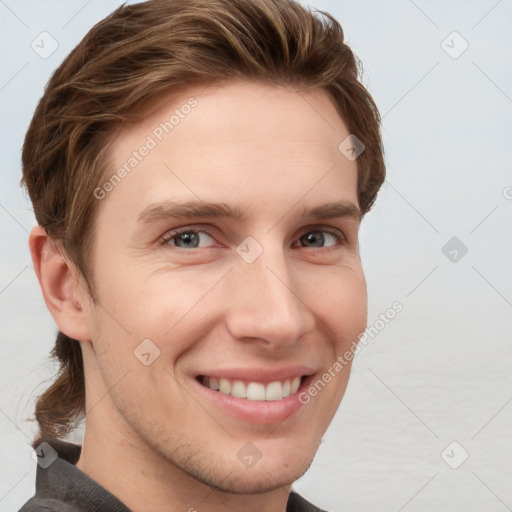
{"x":263,"y":375}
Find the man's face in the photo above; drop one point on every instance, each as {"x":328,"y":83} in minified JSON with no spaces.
{"x":216,"y":306}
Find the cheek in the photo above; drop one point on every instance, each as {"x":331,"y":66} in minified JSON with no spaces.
{"x":340,"y":299}
{"x":143,"y":301}
{"x":171,"y":308}
{"x":354,"y":304}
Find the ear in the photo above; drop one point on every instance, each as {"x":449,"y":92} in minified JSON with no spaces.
{"x":66,"y":297}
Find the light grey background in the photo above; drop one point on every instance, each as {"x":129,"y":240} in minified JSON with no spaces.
{"x":440,"y":371}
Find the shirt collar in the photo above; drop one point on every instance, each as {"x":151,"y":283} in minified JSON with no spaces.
{"x":57,"y":478}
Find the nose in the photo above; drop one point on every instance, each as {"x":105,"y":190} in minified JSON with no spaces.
{"x":267,"y":305}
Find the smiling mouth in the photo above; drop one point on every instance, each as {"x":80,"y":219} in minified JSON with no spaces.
{"x":254,"y":391}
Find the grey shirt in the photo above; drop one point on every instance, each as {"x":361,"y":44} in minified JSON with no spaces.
{"x":62,"y":487}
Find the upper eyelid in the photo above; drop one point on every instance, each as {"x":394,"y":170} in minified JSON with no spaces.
{"x":177,"y":231}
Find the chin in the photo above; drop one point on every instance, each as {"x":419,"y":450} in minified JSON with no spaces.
{"x":275,"y":469}
{"x":242,"y":480}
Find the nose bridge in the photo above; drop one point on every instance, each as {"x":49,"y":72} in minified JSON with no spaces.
{"x":267,"y":304}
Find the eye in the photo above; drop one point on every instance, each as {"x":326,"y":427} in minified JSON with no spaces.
{"x":189,"y":238}
{"x":323,"y":238}
{"x":185,"y":238}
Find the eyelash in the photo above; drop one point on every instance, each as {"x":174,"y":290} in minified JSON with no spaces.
{"x":339,"y":235}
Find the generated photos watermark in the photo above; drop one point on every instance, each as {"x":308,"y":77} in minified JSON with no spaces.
{"x":156,"y":136}
{"x":344,"y":359}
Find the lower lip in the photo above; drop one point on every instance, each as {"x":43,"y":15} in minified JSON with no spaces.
{"x":255,"y":411}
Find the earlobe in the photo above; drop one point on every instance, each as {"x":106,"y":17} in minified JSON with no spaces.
{"x":65,"y":298}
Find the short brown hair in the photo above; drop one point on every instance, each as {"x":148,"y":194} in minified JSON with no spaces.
{"x":144,"y":50}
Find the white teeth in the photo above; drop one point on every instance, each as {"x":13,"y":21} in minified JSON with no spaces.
{"x":253,"y":390}
{"x":286,"y":388}
{"x":238,"y":389}
{"x":224,"y":386}
{"x":295,"y":385}
{"x":274,"y":391}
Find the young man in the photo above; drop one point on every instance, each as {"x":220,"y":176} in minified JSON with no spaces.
{"x":199,"y":171}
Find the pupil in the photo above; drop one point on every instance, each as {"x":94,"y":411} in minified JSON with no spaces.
{"x":187,"y":237}
{"x":316,"y":238}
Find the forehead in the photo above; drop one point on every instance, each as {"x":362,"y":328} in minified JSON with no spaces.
{"x":248,"y":139}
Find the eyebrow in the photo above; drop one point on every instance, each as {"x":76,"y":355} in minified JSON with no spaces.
{"x":190,"y":209}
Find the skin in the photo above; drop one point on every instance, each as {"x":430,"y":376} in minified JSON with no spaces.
{"x":151,"y":439}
